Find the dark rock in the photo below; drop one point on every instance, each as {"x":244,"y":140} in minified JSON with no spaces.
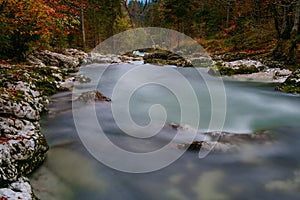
{"x":238,"y":138}
{"x":209,"y":146}
{"x":232,"y":56}
{"x":291,"y":84}
{"x":273,"y":63}
{"x":239,"y":67}
{"x":201,"y":61}
{"x":213,"y":72}
{"x":92,"y":96}
{"x":220,"y":141}
{"x":82,"y":79}
{"x":166,"y":58}
{"x":242,"y":69}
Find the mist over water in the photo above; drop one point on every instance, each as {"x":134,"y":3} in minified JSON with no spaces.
{"x":265,"y":171}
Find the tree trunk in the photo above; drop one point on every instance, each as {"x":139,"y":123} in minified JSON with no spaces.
{"x":276,"y":22}
{"x":284,"y":22}
{"x":227,"y":17}
{"x":297,"y":17}
{"x":82,"y":26}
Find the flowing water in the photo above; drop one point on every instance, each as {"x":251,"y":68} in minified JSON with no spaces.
{"x":266,"y":171}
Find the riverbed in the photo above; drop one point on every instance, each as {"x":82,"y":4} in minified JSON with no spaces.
{"x":258,"y":171}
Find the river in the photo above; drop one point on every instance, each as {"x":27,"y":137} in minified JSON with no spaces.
{"x":265,"y":171}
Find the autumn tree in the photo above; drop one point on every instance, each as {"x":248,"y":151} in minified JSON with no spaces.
{"x":101,"y":19}
{"x":286,"y":20}
{"x":27,"y":24}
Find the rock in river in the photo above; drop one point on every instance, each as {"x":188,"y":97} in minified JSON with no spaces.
{"x":91,"y":96}
{"x":221,"y":141}
{"x":291,"y":84}
{"x":166,"y":58}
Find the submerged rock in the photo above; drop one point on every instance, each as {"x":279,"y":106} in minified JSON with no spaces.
{"x":291,"y":84}
{"x":208,"y":146}
{"x":49,"y":186}
{"x":82,"y":79}
{"x":287,"y":185}
{"x":92,"y":96}
{"x":220,"y":141}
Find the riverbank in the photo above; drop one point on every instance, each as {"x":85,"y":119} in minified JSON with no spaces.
{"x":25,"y":90}
{"x":239,"y":66}
{"x":264,"y":158}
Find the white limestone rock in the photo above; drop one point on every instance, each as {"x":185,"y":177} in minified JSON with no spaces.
{"x":20,"y":189}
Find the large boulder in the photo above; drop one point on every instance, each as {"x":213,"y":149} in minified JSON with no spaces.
{"x":22,"y":148}
{"x":22,"y":101}
{"x":69,"y":62}
{"x":166,"y":58}
{"x":237,"y":67}
{"x":92,"y":96}
{"x":291,"y":84}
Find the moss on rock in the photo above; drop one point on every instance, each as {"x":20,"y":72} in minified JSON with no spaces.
{"x":23,"y":97}
{"x":162,"y":57}
{"x":292,"y":83}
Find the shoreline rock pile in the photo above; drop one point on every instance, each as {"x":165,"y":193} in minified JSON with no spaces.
{"x":247,"y":67}
{"x":24,"y":90}
{"x":291,"y":84}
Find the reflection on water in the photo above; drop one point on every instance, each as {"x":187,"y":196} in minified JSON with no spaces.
{"x":265,"y":171}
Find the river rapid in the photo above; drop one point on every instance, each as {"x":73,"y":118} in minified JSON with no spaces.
{"x":267,"y":171}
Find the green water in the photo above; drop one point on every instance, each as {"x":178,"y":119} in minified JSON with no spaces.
{"x":265,"y":171}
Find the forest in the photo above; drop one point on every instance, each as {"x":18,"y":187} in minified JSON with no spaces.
{"x":263,"y":26}
{"x":149,"y":115}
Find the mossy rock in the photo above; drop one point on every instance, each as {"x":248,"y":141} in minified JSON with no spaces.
{"x":162,"y":57}
{"x":242,"y":69}
{"x":292,"y":83}
{"x":92,"y":96}
{"x":44,"y":78}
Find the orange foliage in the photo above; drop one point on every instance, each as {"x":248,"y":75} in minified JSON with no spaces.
{"x":35,"y":17}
